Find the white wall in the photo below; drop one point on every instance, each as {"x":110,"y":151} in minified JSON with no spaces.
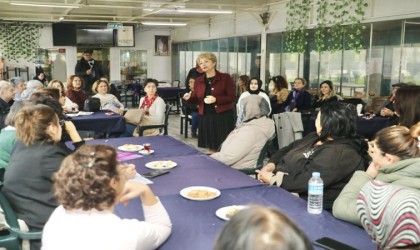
{"x":250,"y":24}
{"x":158,"y":67}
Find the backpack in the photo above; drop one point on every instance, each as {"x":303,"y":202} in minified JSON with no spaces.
{"x":92,"y":104}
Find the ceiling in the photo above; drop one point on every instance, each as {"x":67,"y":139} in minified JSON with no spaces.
{"x":126,"y":11}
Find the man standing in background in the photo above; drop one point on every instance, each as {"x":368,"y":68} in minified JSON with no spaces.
{"x":89,"y":69}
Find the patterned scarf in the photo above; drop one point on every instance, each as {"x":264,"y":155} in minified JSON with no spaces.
{"x":148,"y":102}
{"x":296,"y":94}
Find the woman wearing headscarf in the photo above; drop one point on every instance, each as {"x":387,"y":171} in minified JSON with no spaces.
{"x":253,"y":87}
{"x":243,"y":145}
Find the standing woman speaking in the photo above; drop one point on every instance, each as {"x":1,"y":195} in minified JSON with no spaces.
{"x":214,"y":92}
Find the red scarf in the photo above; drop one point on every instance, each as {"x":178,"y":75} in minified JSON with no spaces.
{"x":148,"y":102}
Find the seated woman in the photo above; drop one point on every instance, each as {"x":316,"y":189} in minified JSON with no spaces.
{"x":260,"y":228}
{"x":299,"y":99}
{"x":75,"y":92}
{"x":326,"y":94}
{"x":112,"y":88}
{"x":395,"y":153}
{"x":253,"y":87}
{"x":279,"y":93}
{"x":387,"y":109}
{"x":87,"y":204}
{"x":242,"y":83}
{"x":407,"y":105}
{"x":108,"y":101}
{"x":41,"y":77}
{"x":243,"y":145}
{"x":153,"y":107}
{"x":193,"y":110}
{"x":68,"y":105}
{"x":390,"y":214}
{"x":37,"y":155}
{"x":8,"y":136}
{"x":334,"y":150}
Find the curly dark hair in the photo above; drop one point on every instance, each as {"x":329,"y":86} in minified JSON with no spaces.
{"x":83,"y":181}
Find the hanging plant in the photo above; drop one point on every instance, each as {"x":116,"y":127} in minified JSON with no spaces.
{"x":297,"y":22}
{"x":19,"y":40}
{"x":339,"y":25}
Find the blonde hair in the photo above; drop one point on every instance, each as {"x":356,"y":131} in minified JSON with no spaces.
{"x":62,"y":90}
{"x":96,"y":85}
{"x":208,"y":55}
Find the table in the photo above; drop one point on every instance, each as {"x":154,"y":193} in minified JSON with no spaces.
{"x":171,"y":95}
{"x":350,"y":86}
{"x":99,"y":122}
{"x":195,"y":225}
{"x":365,"y":127}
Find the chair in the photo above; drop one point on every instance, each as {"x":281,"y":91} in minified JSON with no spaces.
{"x":185,"y":116}
{"x":12,"y":237}
{"x":260,"y":161}
{"x":162,"y":127}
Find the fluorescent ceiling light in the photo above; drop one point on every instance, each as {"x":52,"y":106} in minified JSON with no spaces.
{"x":163,"y":24}
{"x":205,"y":11}
{"x":45,"y":5}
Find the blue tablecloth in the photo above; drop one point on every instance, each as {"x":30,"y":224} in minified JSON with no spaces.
{"x":167,"y":92}
{"x":100,"y":122}
{"x":195,"y":225}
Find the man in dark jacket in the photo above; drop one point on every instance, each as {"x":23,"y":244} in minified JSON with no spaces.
{"x":89,"y":69}
{"x":6,"y":99}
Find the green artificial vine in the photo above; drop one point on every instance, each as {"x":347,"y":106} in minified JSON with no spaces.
{"x":339,"y":25}
{"x":297,"y":22}
{"x":19,"y":40}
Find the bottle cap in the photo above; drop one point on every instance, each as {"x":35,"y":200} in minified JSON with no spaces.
{"x":316,"y":174}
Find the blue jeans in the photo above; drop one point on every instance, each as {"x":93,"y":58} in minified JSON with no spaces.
{"x":194,"y":123}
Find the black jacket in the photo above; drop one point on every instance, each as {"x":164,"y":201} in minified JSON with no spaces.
{"x":82,"y":66}
{"x":336,"y":160}
{"x":4,"y":111}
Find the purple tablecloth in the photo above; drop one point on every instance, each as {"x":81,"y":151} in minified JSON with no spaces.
{"x":195,"y":225}
{"x":193,"y":167}
{"x":100,"y":122}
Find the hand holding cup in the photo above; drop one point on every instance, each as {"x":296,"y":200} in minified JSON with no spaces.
{"x":209,"y":99}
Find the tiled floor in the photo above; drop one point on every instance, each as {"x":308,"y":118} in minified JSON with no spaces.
{"x":174,"y":129}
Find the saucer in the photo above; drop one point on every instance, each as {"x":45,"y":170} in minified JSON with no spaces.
{"x":144,"y":152}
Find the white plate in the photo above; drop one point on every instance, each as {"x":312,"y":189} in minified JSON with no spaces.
{"x":160,"y":164}
{"x":221,"y":212}
{"x":85,"y":113}
{"x":144,"y":152}
{"x":184,"y":193}
{"x":130,"y":147}
{"x":72,"y":114}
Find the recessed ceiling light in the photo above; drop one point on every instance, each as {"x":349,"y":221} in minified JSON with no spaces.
{"x":50,"y":5}
{"x":205,"y":11}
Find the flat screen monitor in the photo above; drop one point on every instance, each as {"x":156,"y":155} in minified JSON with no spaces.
{"x":97,"y":37}
{"x":64,"y":34}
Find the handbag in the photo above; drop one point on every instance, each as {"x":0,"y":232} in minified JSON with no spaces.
{"x":133,"y":116}
{"x":92,"y":104}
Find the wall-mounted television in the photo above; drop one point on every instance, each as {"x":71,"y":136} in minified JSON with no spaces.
{"x":101,"y":37}
{"x":64,"y":34}
{"x":68,"y":34}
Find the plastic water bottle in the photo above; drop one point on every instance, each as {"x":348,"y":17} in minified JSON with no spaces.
{"x":315,"y":193}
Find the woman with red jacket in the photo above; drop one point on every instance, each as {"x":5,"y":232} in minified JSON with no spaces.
{"x":214,"y":92}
